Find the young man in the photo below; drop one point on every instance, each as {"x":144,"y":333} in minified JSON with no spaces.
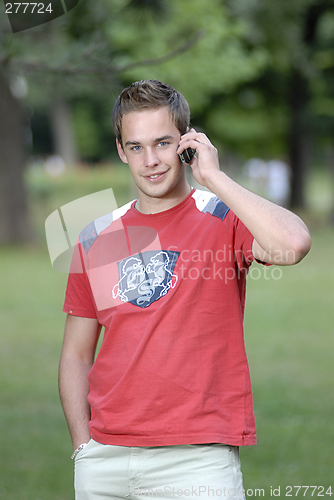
{"x":165,"y":406}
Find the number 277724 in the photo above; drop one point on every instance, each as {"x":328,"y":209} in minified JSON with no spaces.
{"x":29,"y":8}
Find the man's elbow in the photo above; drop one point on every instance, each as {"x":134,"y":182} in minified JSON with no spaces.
{"x":299,"y":247}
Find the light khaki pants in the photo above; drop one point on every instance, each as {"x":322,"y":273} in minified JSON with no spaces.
{"x":193,"y":472}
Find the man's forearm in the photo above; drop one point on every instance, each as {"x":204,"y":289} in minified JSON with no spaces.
{"x":73,"y":389}
{"x":281,"y":234}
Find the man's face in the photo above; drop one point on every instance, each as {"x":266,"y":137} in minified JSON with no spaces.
{"x":150,"y":140}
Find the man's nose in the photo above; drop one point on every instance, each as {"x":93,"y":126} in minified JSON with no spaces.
{"x":151,"y":158}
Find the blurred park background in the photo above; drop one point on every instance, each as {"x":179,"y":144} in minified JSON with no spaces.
{"x":259,"y":78}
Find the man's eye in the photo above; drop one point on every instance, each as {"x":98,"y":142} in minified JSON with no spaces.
{"x":135,"y":148}
{"x":163,"y":143}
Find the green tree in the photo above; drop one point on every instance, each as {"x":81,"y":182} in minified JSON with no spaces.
{"x":276,"y":111}
{"x":97,"y":45}
{"x":322,"y":100}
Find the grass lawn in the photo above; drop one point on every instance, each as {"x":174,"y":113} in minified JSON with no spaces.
{"x":290,"y":343}
{"x":289,"y":340}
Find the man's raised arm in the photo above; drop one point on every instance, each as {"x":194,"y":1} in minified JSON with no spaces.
{"x":280,"y":236}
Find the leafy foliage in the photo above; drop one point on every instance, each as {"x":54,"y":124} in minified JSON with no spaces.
{"x":98,"y":41}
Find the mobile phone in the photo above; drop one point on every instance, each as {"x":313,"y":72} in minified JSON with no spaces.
{"x":187,"y":155}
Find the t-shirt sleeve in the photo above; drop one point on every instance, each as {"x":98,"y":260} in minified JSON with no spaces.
{"x":79,"y":299}
{"x":243,"y":242}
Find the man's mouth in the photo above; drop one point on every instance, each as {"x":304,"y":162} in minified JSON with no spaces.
{"x":157,"y":176}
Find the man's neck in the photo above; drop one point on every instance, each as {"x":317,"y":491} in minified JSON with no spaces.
{"x":148,"y":205}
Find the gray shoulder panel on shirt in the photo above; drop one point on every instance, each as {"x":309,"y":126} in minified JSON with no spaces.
{"x":87,"y":236}
{"x":216,"y":207}
{"x":90,"y":233}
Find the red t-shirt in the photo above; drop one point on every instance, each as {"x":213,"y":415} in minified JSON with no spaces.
{"x":169,"y":289}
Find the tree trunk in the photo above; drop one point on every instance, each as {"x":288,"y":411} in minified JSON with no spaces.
{"x":331,"y":166}
{"x":299,"y":138}
{"x":14,"y":219}
{"x":62,"y":131}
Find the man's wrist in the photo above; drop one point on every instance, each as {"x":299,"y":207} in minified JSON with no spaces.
{"x":77,"y":450}
{"x":215,"y":179}
{"x":80,"y":438}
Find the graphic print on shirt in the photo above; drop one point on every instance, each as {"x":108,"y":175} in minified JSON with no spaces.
{"x":146,"y":277}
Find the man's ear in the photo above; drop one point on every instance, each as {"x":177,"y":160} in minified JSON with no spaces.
{"x":121,"y":153}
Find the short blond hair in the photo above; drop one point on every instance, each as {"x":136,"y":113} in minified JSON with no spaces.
{"x":150,"y":94}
